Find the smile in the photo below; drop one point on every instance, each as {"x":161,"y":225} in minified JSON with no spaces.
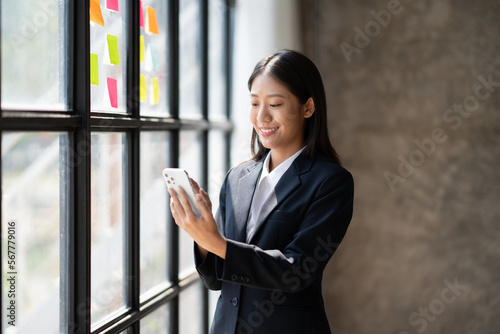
{"x":268,"y":131}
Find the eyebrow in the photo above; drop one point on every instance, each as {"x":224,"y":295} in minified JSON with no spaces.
{"x":270,"y":95}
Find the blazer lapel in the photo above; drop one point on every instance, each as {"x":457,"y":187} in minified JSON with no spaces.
{"x":286,"y":185}
{"x":243,"y":199}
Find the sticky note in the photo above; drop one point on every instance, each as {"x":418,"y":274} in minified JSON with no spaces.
{"x":113,"y":92}
{"x":94,"y":69}
{"x":114,"y":57}
{"x":141,"y":13}
{"x":95,"y":12}
{"x":151,"y":23}
{"x":112,"y":5}
{"x":155,"y":90}
{"x":154,"y":58}
{"x":143,"y":91}
{"x":141,"y":49}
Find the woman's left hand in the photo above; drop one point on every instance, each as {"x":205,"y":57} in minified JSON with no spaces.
{"x":202,"y":229}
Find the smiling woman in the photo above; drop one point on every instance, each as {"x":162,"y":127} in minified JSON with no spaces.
{"x":265,"y":248}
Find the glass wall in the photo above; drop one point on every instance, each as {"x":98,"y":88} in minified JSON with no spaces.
{"x":97,"y":98}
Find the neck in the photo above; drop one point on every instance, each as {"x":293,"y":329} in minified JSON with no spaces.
{"x":277,"y":157}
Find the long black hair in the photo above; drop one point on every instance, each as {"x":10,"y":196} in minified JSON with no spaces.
{"x":299,"y":74}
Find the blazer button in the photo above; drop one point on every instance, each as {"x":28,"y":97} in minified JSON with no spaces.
{"x":234,"y":277}
{"x":234,"y":301}
{"x":246,"y":280}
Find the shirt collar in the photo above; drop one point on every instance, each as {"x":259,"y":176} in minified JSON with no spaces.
{"x":279,"y":170}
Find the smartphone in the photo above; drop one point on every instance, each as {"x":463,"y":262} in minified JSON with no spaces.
{"x":179,"y":177}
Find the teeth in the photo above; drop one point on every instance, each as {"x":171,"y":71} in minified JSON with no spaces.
{"x":268,"y":130}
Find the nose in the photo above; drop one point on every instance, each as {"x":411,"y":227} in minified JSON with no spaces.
{"x":263,"y":115}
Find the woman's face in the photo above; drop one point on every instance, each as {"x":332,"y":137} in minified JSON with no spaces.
{"x":277,"y":115}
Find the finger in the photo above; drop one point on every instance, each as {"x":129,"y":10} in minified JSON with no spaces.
{"x":206,"y":198}
{"x":205,"y":211}
{"x":176,"y":204}
{"x":196,"y":186}
{"x":188,"y":211}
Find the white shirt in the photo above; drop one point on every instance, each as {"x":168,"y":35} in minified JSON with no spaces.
{"x":264,"y":189}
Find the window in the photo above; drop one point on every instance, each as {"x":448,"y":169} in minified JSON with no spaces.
{"x":97,"y":97}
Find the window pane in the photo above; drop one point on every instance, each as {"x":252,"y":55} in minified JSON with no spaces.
{"x":154,"y":58}
{"x":191,"y":310}
{"x":190,"y":59}
{"x":190,"y":159}
{"x":217,"y":65}
{"x":107,"y":56}
{"x":154,"y":209}
{"x":107,"y":198}
{"x":217,"y":165}
{"x":156,"y":322}
{"x":33,"y":55}
{"x":31,"y":218}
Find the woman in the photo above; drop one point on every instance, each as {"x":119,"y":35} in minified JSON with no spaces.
{"x":282,"y":214}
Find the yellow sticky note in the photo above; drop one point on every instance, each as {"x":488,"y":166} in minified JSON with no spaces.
{"x":114,"y":56}
{"x":141,"y":52}
{"x":156,"y":91}
{"x":143,"y":91}
{"x":94,"y":69}
{"x":151,"y":22}
{"x":95,"y":12}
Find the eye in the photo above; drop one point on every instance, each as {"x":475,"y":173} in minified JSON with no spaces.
{"x":254,"y":104}
{"x":275,"y":105}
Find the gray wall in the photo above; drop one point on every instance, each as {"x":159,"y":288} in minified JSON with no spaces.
{"x":423,"y":251}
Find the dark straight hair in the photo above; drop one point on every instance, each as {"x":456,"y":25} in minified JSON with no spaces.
{"x":299,"y":74}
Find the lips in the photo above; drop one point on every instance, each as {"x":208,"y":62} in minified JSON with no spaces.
{"x":267,"y":131}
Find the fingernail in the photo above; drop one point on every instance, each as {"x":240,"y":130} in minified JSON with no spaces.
{"x":198,"y":198}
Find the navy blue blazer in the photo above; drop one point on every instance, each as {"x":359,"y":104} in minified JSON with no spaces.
{"x":273,"y":284}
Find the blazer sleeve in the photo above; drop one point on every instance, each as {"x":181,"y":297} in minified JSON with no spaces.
{"x":303,"y":260}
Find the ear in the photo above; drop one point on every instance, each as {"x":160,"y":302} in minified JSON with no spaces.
{"x":308,"y":108}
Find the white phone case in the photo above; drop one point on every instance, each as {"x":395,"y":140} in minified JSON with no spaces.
{"x":179,"y":177}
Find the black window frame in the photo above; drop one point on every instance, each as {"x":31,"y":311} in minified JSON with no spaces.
{"x":79,"y":123}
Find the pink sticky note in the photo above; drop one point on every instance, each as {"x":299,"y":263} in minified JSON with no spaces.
{"x":141,"y":17}
{"x":112,"y":5}
{"x":113,"y":92}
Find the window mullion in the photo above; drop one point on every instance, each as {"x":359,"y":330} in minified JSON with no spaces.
{"x":79,"y":157}
{"x":173,"y":95}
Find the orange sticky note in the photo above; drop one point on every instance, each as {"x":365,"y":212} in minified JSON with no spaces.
{"x":143,"y":91}
{"x":151,"y":22}
{"x":141,"y":13}
{"x":95,"y":12}
{"x":141,"y":49}
{"x":113,"y":92}
{"x":155,"y":90}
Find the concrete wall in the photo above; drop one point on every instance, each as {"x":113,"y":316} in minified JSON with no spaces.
{"x":417,"y":123}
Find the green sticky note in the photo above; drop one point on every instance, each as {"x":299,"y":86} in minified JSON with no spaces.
{"x":94,"y":69}
{"x":114,"y":56}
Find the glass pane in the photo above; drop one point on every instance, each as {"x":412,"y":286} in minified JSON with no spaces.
{"x":156,"y":322}
{"x":31,"y":230}
{"x":154,"y":209}
{"x":107,"y":198}
{"x":217,"y":166}
{"x":216,"y":58}
{"x":190,"y":159}
{"x":154,"y":58}
{"x":190,"y":59}
{"x":213,"y":297}
{"x":107,"y":56}
{"x":190,"y":310}
{"x":33,"y":57}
